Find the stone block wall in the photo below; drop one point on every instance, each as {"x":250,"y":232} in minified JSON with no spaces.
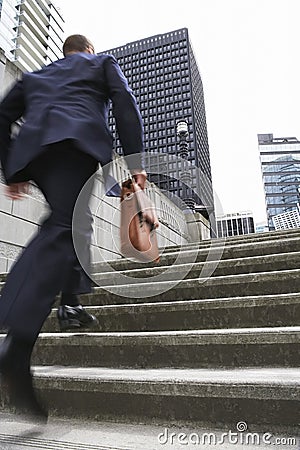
{"x":9,"y":73}
{"x":106,"y":213}
{"x":19,"y":220}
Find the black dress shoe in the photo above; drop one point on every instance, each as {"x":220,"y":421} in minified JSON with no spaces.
{"x":74,"y":317}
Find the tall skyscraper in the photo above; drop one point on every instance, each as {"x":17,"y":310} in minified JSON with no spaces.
{"x":166,"y":81}
{"x":280,"y":164}
{"x":31,"y":32}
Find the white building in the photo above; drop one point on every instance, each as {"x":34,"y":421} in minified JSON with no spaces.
{"x":289,"y":219}
{"x":235,"y":224}
{"x":31,"y":32}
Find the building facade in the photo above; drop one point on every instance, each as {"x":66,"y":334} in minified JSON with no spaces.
{"x":235,"y":224}
{"x":289,"y":219}
{"x":31,"y":32}
{"x":280,"y":164}
{"x":8,"y":22}
{"x":164,"y":76}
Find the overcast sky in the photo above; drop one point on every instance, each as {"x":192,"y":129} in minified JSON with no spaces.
{"x":248,"y":55}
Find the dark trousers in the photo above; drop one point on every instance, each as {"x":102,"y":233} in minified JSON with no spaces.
{"x":50,"y":264}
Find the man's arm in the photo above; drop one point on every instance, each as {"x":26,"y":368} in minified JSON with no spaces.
{"x":12,"y":107}
{"x":128,"y":119}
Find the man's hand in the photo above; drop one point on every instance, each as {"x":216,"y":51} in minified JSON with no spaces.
{"x":16,"y":191}
{"x":140,"y":177}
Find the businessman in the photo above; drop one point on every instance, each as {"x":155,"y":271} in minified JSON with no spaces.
{"x":64,"y":136}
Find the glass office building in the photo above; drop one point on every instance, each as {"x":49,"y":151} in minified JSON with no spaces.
{"x":163,"y":74}
{"x":31,"y":32}
{"x":280,"y":164}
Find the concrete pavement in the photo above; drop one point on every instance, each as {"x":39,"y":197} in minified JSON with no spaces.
{"x":64,"y":434}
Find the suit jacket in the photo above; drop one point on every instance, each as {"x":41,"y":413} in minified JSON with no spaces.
{"x":69,"y":99}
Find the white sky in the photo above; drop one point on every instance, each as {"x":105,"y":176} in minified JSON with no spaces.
{"x":248,"y":55}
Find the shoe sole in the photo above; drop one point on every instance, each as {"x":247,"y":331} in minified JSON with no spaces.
{"x":75,"y":325}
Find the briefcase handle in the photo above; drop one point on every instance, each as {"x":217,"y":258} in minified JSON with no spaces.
{"x":145,"y":207}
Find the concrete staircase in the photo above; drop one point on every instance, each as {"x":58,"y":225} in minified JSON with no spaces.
{"x":210,"y":335}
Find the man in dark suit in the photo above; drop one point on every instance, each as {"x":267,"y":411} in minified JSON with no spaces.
{"x":64,"y":137}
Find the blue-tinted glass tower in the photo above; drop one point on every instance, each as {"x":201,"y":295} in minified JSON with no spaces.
{"x":280,"y":164}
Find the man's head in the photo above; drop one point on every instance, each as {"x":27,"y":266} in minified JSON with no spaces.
{"x":77,"y":43}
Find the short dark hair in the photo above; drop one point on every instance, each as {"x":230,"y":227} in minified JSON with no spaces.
{"x":76,"y":43}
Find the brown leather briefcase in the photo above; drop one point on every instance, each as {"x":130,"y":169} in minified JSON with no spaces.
{"x":138,"y":223}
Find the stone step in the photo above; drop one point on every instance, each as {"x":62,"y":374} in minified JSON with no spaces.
{"x":197,"y":270}
{"x":217,"y":337}
{"x":230,"y":240}
{"x":265,"y":283}
{"x":253,"y":264}
{"x":274,"y":346}
{"x":266,"y":396}
{"x":238,"y":312}
{"x":216,"y":252}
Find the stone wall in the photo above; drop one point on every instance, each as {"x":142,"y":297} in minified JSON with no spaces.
{"x":106,"y":213}
{"x":19,"y":220}
{"x":9,"y":73}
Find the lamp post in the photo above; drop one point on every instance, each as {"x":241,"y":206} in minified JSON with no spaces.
{"x":185,"y":174}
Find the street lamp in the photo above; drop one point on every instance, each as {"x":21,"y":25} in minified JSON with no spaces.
{"x":185,"y":173}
